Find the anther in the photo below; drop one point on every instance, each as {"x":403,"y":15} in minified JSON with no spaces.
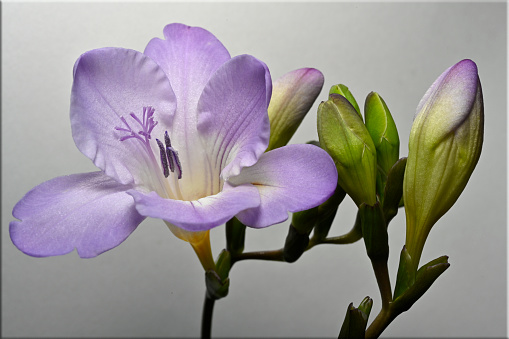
{"x":164,"y":161}
{"x":169,"y":157}
{"x":168,"y":151}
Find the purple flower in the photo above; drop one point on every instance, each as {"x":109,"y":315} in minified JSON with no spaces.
{"x":179,"y":133}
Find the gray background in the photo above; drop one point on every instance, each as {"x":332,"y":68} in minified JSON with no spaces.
{"x":152,"y":285}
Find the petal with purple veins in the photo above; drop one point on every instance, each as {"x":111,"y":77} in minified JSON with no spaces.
{"x":109,"y":85}
{"x":189,"y":56}
{"x":233,"y":119}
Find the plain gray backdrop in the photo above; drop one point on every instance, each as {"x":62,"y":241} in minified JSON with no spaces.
{"x":152,"y":285}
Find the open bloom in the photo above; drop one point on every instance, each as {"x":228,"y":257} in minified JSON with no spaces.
{"x":444,"y":148}
{"x":179,"y":133}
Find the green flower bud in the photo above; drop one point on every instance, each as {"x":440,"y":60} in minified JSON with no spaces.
{"x":356,"y":319}
{"x":292,"y":96}
{"x":444,"y":147}
{"x":345,"y":137}
{"x":383,"y":131}
{"x":374,"y":232}
{"x":344,"y":91}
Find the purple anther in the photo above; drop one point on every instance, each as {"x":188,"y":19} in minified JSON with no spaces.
{"x":164,"y":161}
{"x":169,"y":149}
{"x":178,"y":167}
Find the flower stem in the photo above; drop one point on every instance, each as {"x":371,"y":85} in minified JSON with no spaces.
{"x":383,"y":281}
{"x":275,"y":255}
{"x":383,"y":319}
{"x":206,"y":320}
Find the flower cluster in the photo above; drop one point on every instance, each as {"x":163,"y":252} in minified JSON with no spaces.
{"x":185,"y":133}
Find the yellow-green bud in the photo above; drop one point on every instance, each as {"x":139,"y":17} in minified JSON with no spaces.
{"x":344,"y":91}
{"x":292,"y":96}
{"x":345,"y":137}
{"x":444,"y":147}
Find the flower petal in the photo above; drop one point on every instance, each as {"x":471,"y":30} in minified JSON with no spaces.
{"x":111,"y":83}
{"x":189,"y":56}
{"x":452,"y":95}
{"x":90,"y":212}
{"x":290,"y":179}
{"x":233,"y":119}
{"x":293,"y":95}
{"x":199,"y":215}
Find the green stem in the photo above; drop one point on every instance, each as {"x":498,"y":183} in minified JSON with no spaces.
{"x":383,"y":281}
{"x":206,"y":320}
{"x":275,"y":255}
{"x":383,"y":319}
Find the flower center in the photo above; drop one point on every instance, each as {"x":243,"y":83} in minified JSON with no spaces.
{"x":169,"y":156}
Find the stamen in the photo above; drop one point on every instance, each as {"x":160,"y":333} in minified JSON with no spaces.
{"x":169,"y":157}
{"x":168,"y":151}
{"x":164,"y":161}
{"x":178,"y":168}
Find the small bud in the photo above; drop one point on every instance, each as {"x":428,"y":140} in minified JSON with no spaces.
{"x":224,"y":264}
{"x":444,"y":147}
{"x":327,"y":212}
{"x":394,"y":189}
{"x":304,"y":221}
{"x":374,"y":232}
{"x":356,"y":319}
{"x":292,"y":96}
{"x":345,"y":137}
{"x":345,"y":92}
{"x":235,"y":236}
{"x":382,"y":129}
{"x":295,"y":244}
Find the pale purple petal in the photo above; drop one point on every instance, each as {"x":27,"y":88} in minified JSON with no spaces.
{"x":198,"y":215}
{"x":90,"y":212}
{"x":189,"y":56}
{"x":290,"y":179}
{"x":233,"y":119}
{"x":111,"y":83}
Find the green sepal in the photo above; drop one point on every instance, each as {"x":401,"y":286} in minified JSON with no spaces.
{"x":356,"y":319}
{"x":374,"y":232}
{"x":425,"y":277}
{"x":406,"y":274}
{"x":394,"y":189}
{"x":344,"y":91}
{"x":217,"y":288}
{"x":235,"y":236}
{"x":295,"y":244}
{"x":224,"y":264}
